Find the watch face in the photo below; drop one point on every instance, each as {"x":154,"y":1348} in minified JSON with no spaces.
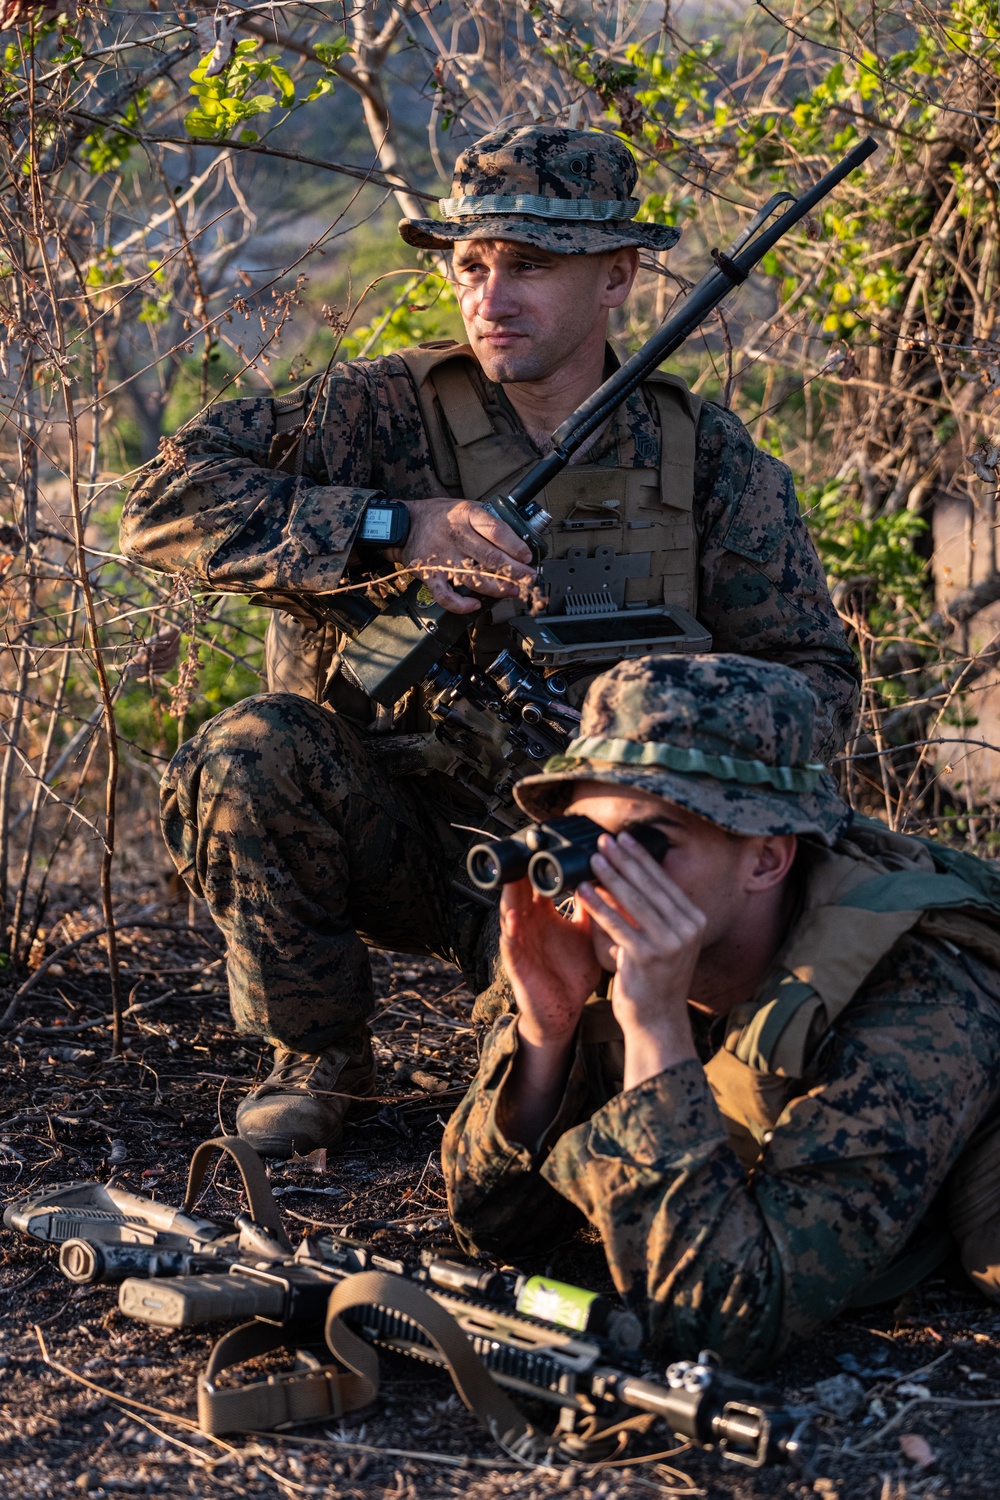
{"x":378,"y":524}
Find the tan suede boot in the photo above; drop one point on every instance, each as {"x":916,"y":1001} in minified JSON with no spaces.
{"x":301,"y":1105}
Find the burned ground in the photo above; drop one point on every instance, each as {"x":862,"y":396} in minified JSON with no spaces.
{"x":925,"y":1374}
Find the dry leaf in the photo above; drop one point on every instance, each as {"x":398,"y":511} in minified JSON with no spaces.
{"x":985,"y":461}
{"x":16,"y":12}
{"x":315,"y":1161}
{"x":917,"y":1449}
{"x":217,"y":34}
{"x":429,"y":1082}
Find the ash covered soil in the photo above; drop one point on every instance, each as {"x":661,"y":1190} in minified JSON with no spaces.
{"x":924,"y":1374}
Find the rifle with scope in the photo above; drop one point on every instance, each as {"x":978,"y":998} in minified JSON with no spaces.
{"x":395,"y":647}
{"x":494,"y":1331}
{"x":491,"y":722}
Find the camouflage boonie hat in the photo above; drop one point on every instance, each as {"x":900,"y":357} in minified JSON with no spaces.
{"x":568,"y":191}
{"x":726,"y":737}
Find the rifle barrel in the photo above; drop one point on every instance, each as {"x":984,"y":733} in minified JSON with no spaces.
{"x":729,"y":271}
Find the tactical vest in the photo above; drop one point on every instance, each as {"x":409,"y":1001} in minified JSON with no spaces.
{"x":637,"y":523}
{"x":861,"y":899}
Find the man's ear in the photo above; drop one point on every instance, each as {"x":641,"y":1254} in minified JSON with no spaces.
{"x":774,"y":856}
{"x":622,"y":267}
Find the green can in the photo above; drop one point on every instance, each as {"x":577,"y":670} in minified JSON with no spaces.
{"x":558,"y":1302}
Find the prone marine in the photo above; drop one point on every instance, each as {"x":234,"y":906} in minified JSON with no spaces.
{"x":316,"y":822}
{"x":763,"y":1067}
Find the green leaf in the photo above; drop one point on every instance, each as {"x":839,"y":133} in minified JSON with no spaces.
{"x":320,"y":87}
{"x":202,"y":125}
{"x":284,"y":84}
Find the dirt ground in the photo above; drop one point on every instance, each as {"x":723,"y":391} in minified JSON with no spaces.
{"x":94,"y":1404}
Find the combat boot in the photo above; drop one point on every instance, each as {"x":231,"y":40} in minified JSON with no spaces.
{"x":301,"y":1105}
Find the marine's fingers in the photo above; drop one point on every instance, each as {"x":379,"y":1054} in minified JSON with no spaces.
{"x":615,"y":923}
{"x":475,"y":553}
{"x":517,"y":895}
{"x":442,"y":593}
{"x":498,"y":532}
{"x":644,"y":885}
{"x":496,"y":583}
{"x":653,"y":871}
{"x":650,"y":905}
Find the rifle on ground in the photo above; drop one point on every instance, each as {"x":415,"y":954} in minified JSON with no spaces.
{"x":492,"y":1330}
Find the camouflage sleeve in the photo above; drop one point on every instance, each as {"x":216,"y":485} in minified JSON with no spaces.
{"x":744,"y":1267}
{"x":499,"y":1202}
{"x":210,"y":507}
{"x":762,"y":590}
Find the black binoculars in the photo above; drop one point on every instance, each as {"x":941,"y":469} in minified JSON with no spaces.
{"x":555,"y":856}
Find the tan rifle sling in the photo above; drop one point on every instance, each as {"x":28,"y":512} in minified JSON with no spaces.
{"x":317,"y":1392}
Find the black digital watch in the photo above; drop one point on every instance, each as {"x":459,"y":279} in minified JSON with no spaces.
{"x":385,"y":523}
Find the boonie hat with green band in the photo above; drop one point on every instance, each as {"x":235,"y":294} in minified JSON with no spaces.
{"x":568,"y":191}
{"x":727,"y":737}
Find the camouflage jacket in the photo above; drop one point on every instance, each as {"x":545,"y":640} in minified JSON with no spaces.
{"x":211,"y":509}
{"x":742,"y":1254}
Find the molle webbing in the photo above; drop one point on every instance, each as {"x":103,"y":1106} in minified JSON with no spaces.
{"x":288,"y":449}
{"x":477,"y":451}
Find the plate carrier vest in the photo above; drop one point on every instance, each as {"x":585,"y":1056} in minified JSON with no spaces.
{"x":645,"y":515}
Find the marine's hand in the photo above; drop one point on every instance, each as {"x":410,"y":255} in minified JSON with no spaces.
{"x":550,"y":961}
{"x":460,"y":542}
{"x":657,"y":932}
{"x":552,"y":969}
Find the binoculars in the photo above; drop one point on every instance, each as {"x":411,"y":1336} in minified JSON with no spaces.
{"x":555,"y":856}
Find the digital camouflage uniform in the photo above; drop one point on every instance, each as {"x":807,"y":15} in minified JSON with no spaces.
{"x":745,"y":1198}
{"x":302,"y":827}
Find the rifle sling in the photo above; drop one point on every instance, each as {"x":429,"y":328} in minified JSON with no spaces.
{"x":473,"y":1381}
{"x":325,"y":1390}
{"x":310,"y":1395}
{"x":328,"y":1391}
{"x":263,"y":1209}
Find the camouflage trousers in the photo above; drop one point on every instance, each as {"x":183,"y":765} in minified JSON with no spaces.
{"x":309,"y":847}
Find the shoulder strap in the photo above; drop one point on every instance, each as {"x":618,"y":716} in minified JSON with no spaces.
{"x":838,"y":943}
{"x":916,"y":890}
{"x":312,"y":1394}
{"x":263,"y":1209}
{"x":463,"y":410}
{"x":288,"y":451}
{"x":420,"y":364}
{"x":678,"y":410}
{"x":469,"y":454}
{"x":396,"y":1294}
{"x":322,"y":1391}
